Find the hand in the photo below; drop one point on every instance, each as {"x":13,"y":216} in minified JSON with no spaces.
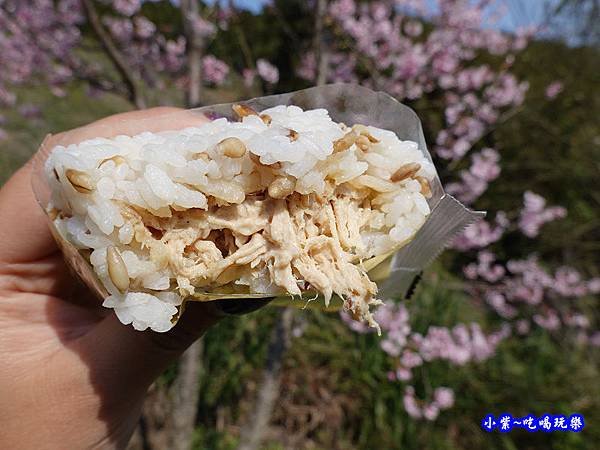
{"x":71,"y":375}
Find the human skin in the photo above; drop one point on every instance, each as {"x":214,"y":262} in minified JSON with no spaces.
{"x":71,"y":375}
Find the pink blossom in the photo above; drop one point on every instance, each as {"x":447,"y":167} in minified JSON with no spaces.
{"x":481,"y":234}
{"x":453,"y":112}
{"x":568,"y":282}
{"x":482,"y":346}
{"x":460,"y":147}
{"x":577,"y":320}
{"x":523,"y":326}
{"x":410,"y":359}
{"x":431,"y":412}
{"x":486,"y":113}
{"x":202,"y":27}
{"x":127,"y":7}
{"x":308,"y":67}
{"x":526,"y":282}
{"x":214,"y":70}
{"x":507,"y":91}
{"x":343,"y":68}
{"x":410,"y":403}
{"x":393,"y":317}
{"x":144,"y":28}
{"x":594,"y":339}
{"x":474,"y":181}
{"x":35,"y":38}
{"x":594,"y":286}
{"x":391,"y":347}
{"x":267,"y":71}
{"x":225,"y":13}
{"x":403,"y":374}
{"x":535,"y":214}
{"x":499,"y":303}
{"x":485,"y":268}
{"x":553,"y":89}
{"x":523,"y":36}
{"x":411,"y":62}
{"x":355,"y":325}
{"x":60,"y":75}
{"x":380,"y":11}
{"x":70,"y":12}
{"x":248,"y":75}
{"x":549,"y":321}
{"x":413,"y":28}
{"x":174,"y":54}
{"x":340,"y":9}
{"x":443,"y":397}
{"x":58,"y":91}
{"x":7,"y":98}
{"x":459,"y":345}
{"x":121,"y":28}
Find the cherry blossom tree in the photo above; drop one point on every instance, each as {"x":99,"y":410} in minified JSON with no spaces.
{"x":448,"y":52}
{"x":41,"y":41}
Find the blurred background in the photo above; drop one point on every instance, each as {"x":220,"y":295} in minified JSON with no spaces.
{"x":505,"y":321}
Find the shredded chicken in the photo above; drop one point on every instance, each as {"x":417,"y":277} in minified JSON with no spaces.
{"x":305,"y":242}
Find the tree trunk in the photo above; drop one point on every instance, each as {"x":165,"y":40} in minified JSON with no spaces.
{"x":169,"y":413}
{"x":320,"y":45}
{"x":184,"y":397}
{"x":195,"y":49}
{"x":252,"y":433}
{"x":127,"y":74}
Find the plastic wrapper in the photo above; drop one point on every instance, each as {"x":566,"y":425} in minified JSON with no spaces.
{"x":394,"y":272}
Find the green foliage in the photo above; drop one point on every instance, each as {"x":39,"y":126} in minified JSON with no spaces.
{"x":552,"y":147}
{"x":339,"y":377}
{"x":58,"y":114}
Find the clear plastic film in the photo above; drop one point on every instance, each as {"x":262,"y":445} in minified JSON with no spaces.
{"x":350,"y":104}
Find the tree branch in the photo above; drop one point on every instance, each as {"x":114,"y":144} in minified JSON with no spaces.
{"x":195,"y":49}
{"x":184,"y":397}
{"x":115,"y":56}
{"x":169,"y":413}
{"x":320,"y":44}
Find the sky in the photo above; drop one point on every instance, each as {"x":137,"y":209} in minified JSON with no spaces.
{"x":519,"y":13}
{"x":251,"y":5}
{"x":524,"y":13}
